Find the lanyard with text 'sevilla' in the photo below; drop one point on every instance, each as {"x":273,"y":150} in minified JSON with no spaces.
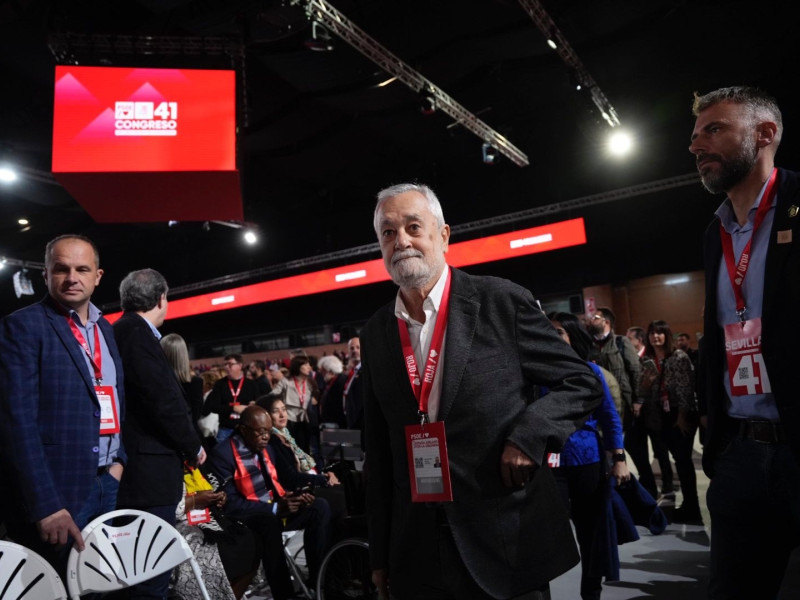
{"x":738,"y":271}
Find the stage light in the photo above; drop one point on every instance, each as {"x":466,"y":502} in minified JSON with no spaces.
{"x":321,"y":40}
{"x":7,"y":174}
{"x":22,"y":283}
{"x":250,"y":237}
{"x":620,"y":143}
{"x":427,"y":105}
{"x":489,"y":153}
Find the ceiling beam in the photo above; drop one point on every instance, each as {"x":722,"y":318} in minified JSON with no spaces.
{"x":335,"y":22}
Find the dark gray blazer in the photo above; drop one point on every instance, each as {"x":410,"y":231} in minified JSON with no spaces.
{"x":498,"y":346}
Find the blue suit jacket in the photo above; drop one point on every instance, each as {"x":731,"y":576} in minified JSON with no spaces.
{"x":49,"y":413}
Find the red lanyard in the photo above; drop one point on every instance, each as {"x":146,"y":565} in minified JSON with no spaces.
{"x":738,"y":271}
{"x":299,"y":393}
{"x":422,"y":389}
{"x":96,"y":357}
{"x":237,"y":392}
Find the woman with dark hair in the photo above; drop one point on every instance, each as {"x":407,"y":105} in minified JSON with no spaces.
{"x":581,"y":471}
{"x":669,"y":409}
{"x":297,"y":391}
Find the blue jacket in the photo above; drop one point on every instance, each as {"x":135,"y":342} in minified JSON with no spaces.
{"x":49,"y":413}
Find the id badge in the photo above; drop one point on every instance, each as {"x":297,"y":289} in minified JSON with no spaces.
{"x":109,"y":420}
{"x":234,"y":415}
{"x":428,"y":467}
{"x":197,"y":516}
{"x":747,"y":372}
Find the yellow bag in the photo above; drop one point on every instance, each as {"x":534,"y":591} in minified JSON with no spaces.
{"x":195,"y":482}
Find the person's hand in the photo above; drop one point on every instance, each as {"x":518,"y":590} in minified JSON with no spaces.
{"x":206,"y":498}
{"x":56,"y":528}
{"x":201,"y":458}
{"x":516,"y":467}
{"x":239,"y":408}
{"x":115,"y":470}
{"x":621,"y":472}
{"x":292,"y":503}
{"x":380,"y":577}
{"x":332,"y":479}
{"x":636,"y":407}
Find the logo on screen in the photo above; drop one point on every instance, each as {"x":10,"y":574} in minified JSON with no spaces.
{"x":145,"y":118}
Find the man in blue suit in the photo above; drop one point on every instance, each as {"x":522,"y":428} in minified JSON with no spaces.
{"x":61,"y":406}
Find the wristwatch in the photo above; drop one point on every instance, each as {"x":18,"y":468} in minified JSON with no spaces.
{"x":619,"y":457}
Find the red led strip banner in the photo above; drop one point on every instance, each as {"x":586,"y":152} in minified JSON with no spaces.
{"x":482,"y":250}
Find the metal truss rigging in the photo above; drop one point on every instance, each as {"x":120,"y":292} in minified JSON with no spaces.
{"x":539,"y":15}
{"x":328,"y":16}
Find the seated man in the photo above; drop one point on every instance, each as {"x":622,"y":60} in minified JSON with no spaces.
{"x":265,"y":493}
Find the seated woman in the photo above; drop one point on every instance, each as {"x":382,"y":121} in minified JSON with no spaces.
{"x":327,"y":483}
{"x":228,"y":553}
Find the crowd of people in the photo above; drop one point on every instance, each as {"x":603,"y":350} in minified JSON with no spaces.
{"x":470,"y":487}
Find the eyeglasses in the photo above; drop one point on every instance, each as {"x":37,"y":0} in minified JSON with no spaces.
{"x":599,"y":316}
{"x":259,"y":432}
{"x":230,"y":363}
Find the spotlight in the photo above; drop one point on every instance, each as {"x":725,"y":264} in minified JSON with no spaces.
{"x":427,"y":105}
{"x":620,"y":143}
{"x":173,"y":223}
{"x":2,"y":263}
{"x":7,"y":174}
{"x":489,"y":154}
{"x":250,"y":237}
{"x":321,"y":39}
{"x":22,"y":283}
{"x":427,"y":102}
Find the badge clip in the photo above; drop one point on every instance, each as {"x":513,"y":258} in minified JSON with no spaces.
{"x":740,"y":314}
{"x":423,"y":418}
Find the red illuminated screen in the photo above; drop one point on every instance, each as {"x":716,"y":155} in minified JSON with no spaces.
{"x":114,"y":119}
{"x":461,"y":254}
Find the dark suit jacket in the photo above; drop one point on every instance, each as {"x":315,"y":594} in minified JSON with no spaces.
{"x":223,"y":465}
{"x":158,"y":431}
{"x":498,"y":345}
{"x":779,"y":322}
{"x":49,"y":414}
{"x":331,"y":407}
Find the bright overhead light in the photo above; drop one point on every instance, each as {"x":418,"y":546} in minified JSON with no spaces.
{"x":250,"y":237}
{"x":7,"y":174}
{"x":2,"y":263}
{"x":23,"y":221}
{"x":551,"y":43}
{"x":387,"y":81}
{"x":620,"y":143}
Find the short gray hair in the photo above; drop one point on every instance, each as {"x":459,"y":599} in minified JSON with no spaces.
{"x":141,"y":290}
{"x":760,"y":105}
{"x":331,"y":364}
{"x":395,"y":190}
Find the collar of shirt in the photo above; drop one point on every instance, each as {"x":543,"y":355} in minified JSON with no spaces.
{"x":94,"y":315}
{"x":728,"y":219}
{"x":152,"y":327}
{"x":430,"y":305}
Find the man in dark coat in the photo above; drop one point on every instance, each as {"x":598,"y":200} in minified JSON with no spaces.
{"x":472,"y":372}
{"x":158,"y":431}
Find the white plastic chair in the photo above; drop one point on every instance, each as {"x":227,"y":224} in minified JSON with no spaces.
{"x":26,"y":574}
{"x":117,"y":557}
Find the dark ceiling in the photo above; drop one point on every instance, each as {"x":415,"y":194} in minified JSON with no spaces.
{"x":318,"y":137}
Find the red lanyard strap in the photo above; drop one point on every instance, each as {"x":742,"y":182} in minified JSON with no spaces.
{"x":302,"y":393}
{"x":422,"y":388}
{"x":96,"y":357}
{"x":738,"y":271}
{"x":237,"y":392}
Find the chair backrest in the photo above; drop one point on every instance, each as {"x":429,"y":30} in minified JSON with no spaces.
{"x":25,"y":574}
{"x":340,"y":444}
{"x":119,"y":556}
